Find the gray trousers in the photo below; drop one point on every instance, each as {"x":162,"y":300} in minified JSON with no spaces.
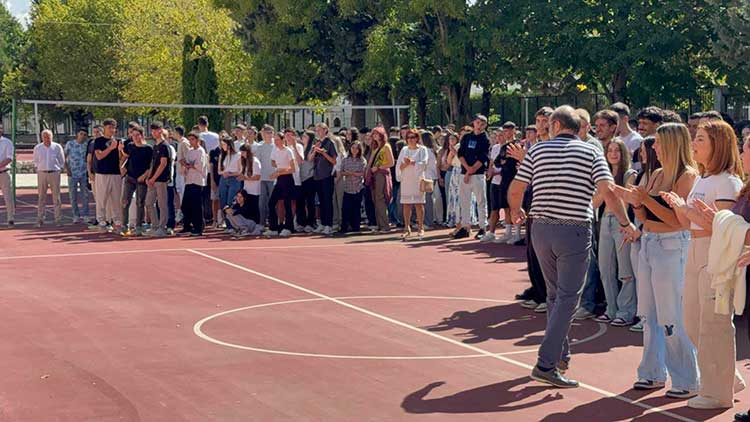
{"x":158,"y":193}
{"x":266,"y":188}
{"x":564,"y":254}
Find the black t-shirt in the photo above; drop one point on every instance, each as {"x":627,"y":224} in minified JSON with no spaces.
{"x":475,"y":148}
{"x":161,"y":151}
{"x":90,"y":151}
{"x":508,"y":165}
{"x":111,"y":163}
{"x":139,"y":159}
{"x":213,"y":159}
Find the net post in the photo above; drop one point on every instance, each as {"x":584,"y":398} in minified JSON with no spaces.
{"x":13,"y":124}
{"x":37,"y":126}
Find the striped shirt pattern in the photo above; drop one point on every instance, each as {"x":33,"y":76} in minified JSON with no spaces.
{"x":564,"y":172}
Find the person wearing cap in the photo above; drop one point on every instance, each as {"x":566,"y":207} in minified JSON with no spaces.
{"x":239,"y":133}
{"x":474,"y":156}
{"x":6,"y":158}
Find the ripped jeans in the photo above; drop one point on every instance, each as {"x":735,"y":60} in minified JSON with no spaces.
{"x":660,"y":278}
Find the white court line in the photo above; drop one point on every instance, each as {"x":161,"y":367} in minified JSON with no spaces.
{"x":198,"y":330}
{"x":228,"y":248}
{"x":648,"y":408}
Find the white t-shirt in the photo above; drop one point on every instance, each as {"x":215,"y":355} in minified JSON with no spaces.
{"x":719,"y":187}
{"x":297,"y":166}
{"x":430,"y":173}
{"x":232,"y":163}
{"x":211,"y":139}
{"x":282,"y":157}
{"x":632,"y":141}
{"x":253,"y":186}
{"x":494,"y":152}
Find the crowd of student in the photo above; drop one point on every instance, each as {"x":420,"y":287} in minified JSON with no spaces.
{"x":659,"y":214}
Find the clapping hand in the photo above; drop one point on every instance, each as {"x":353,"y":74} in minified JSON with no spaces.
{"x":702,"y":214}
{"x":516,"y":152}
{"x":632,"y":195}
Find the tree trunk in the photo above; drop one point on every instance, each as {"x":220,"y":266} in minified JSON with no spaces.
{"x":228,"y":118}
{"x":422,"y":110}
{"x":619,"y":83}
{"x":458,"y":100}
{"x":359,"y":116}
{"x":386,"y":118}
{"x":486,"y":102}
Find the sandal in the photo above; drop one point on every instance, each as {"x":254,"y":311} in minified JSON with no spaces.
{"x":405,"y":235}
{"x":620,"y":322}
{"x":603,"y":318}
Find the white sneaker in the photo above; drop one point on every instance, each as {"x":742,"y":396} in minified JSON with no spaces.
{"x":285,"y":233}
{"x":257,"y":232}
{"x":298,"y":228}
{"x":541,"y":309}
{"x":328,"y":230}
{"x":270,"y":233}
{"x":308,"y":229}
{"x":488,"y":237}
{"x":76,"y":220}
{"x":513,"y":239}
{"x":501,"y":239}
{"x":319,"y":229}
{"x":582,"y":313}
{"x":637,"y":327}
{"x":373,"y":228}
{"x":529,"y":304}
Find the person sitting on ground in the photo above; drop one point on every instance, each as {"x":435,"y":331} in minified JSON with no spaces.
{"x":241,"y":214}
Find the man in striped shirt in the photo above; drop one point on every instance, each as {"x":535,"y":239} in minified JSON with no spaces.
{"x":565,"y":172}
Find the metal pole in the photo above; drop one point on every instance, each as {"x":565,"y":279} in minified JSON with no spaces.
{"x":398,"y":119}
{"x":36,"y":122}
{"x":14,"y":123}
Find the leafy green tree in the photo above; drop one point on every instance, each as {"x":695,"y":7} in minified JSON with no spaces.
{"x":11,"y":49}
{"x":206,"y":87}
{"x":732,"y":43}
{"x":189,"y":67}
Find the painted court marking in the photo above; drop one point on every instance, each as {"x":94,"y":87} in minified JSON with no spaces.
{"x":226,"y":248}
{"x":648,"y":408}
{"x":198,"y":330}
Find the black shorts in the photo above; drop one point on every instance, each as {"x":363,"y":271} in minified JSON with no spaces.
{"x":495,"y":198}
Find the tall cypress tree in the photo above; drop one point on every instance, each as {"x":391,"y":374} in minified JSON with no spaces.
{"x":206,"y":87}
{"x":189,"y":67}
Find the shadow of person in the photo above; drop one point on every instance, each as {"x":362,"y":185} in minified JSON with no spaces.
{"x":497,"y":397}
{"x":616,"y":409}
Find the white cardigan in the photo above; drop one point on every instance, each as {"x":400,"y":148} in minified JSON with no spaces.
{"x":727,"y":242}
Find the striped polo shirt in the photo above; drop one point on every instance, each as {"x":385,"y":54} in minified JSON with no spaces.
{"x":564,"y":172}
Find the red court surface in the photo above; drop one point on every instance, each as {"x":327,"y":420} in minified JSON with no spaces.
{"x":363,"y":328}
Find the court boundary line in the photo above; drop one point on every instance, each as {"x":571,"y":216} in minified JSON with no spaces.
{"x":592,"y":388}
{"x":198,"y":330}
{"x":224,"y":248}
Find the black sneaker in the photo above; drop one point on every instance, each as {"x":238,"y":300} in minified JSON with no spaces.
{"x":521,"y":242}
{"x":644,"y":385}
{"x":461,"y":234}
{"x":11,"y":224}
{"x":479,"y":234}
{"x":553,"y":378}
{"x":742,"y":417}
{"x":526,"y":295}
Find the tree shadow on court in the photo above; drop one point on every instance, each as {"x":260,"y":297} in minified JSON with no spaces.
{"x":510,"y":321}
{"x":498,"y":397}
{"x":614,"y":409}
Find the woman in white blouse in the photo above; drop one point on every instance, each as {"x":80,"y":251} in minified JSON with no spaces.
{"x":410,"y":171}
{"x":431,"y":173}
{"x":229,"y":169}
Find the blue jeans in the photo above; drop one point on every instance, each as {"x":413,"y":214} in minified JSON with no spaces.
{"x":563,"y":253}
{"x":394,"y":206}
{"x":616,"y":271}
{"x":660,"y":278}
{"x":228,"y":188}
{"x":77,"y":187}
{"x":593,"y":279}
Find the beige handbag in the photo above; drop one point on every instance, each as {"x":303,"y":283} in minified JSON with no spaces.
{"x":426,"y":186}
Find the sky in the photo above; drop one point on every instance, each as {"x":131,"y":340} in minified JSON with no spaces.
{"x":18,"y":8}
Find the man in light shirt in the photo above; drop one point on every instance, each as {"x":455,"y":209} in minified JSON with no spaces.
{"x":195,"y":168}
{"x":631,"y":138}
{"x":49,"y":160}
{"x":6,"y":158}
